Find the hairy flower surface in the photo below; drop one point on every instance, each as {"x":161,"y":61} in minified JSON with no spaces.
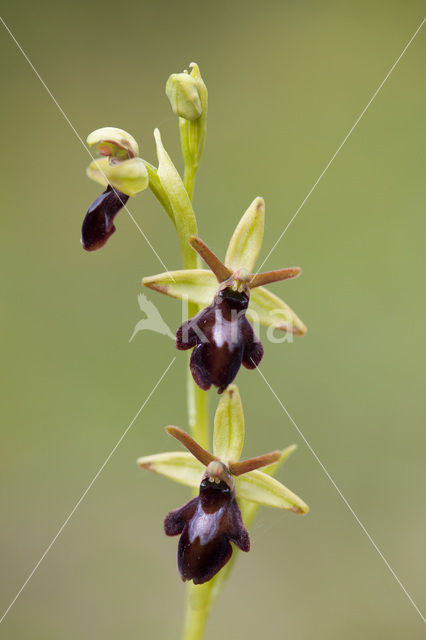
{"x":208,"y":523}
{"x":222,"y":338}
{"x":98,"y":224}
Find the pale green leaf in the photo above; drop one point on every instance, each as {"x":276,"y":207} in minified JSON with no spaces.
{"x":193,"y":285}
{"x":228,"y":434}
{"x":267,"y":309}
{"x":180,"y":466}
{"x":261,"y":488}
{"x":247,"y":238}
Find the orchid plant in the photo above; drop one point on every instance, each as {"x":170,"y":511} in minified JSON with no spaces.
{"x":222,"y":303}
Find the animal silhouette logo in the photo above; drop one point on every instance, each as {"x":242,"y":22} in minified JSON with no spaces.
{"x":153,"y":320}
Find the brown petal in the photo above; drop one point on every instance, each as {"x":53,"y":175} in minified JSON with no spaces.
{"x":260,"y":279}
{"x":220,"y":271}
{"x":189,"y":443}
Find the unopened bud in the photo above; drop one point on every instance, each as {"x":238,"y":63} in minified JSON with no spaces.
{"x":182,"y":91}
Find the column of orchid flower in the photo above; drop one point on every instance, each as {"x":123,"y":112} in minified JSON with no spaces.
{"x":221,"y":301}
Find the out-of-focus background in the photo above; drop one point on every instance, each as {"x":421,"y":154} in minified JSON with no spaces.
{"x":286,"y":80}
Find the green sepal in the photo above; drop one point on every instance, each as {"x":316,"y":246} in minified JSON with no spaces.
{"x":113,"y":142}
{"x":246,"y":241}
{"x":268,"y":309}
{"x":180,"y":466}
{"x":228,"y":433}
{"x":261,"y":488}
{"x":128,"y":176}
{"x":198,"y":286}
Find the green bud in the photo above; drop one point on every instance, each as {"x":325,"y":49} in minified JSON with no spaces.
{"x":113,"y":142}
{"x":182,"y":91}
{"x":129,"y":176}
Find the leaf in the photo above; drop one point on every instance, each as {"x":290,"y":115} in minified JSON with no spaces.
{"x":179,"y":466}
{"x":247,"y":238}
{"x":267,"y":309}
{"x":228,"y":433}
{"x":261,"y":488}
{"x":193,"y":285}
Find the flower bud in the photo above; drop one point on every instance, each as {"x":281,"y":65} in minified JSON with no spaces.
{"x":129,"y":176}
{"x":113,"y":142}
{"x":182,"y":91}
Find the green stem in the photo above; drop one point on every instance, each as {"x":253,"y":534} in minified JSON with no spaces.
{"x":193,"y":134}
{"x":197,"y":610}
{"x":198,"y":600}
{"x":189,"y":179}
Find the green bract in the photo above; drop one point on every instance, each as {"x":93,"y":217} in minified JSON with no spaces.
{"x":178,"y":198}
{"x":228,"y":437}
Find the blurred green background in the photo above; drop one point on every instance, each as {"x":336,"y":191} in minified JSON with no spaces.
{"x":286,"y":81}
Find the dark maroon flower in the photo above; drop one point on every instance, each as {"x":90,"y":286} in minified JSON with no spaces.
{"x":207,"y":525}
{"x":98,"y":225}
{"x":222,"y":338}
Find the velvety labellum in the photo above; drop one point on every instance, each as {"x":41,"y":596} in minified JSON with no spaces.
{"x":98,"y":225}
{"x":222,"y":339}
{"x":207,"y":525}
